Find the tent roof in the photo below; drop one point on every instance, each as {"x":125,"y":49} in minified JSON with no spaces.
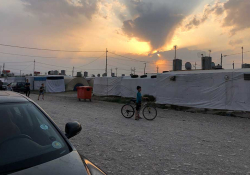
{"x":209,"y":71}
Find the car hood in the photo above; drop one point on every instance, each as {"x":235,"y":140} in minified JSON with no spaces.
{"x":68,"y":164}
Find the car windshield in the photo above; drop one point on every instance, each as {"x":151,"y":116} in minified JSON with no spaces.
{"x":27,"y":137}
{"x":5,"y":83}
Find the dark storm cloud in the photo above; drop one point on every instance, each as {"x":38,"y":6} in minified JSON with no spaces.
{"x":156,"y":21}
{"x":217,"y":9}
{"x":237,"y":15}
{"x":61,"y":9}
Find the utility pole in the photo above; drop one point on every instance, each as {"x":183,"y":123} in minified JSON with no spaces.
{"x":34,"y":68}
{"x":175,"y":47}
{"x":209,"y":52}
{"x":195,"y":65}
{"x":145,"y":68}
{"x":73,"y":71}
{"x":221,"y":60}
{"x":233,"y":64}
{"x":157,"y":69}
{"x":116,"y":72}
{"x":242,"y":56}
{"x":20,"y":73}
{"x":0,"y":70}
{"x":3,"y":67}
{"x":106,"y":61}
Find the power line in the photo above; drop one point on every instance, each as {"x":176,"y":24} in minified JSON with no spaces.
{"x":17,"y":69}
{"x":92,"y":61}
{"x":236,"y":54}
{"x":17,"y":62}
{"x":53,"y":65}
{"x":42,"y":49}
{"x":122,"y":63}
{"x":70,"y":68}
{"x":33,"y":56}
{"x":127,"y":57}
{"x":122,"y":68}
{"x":36,"y":56}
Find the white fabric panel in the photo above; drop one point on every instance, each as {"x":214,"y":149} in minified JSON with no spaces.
{"x":104,"y":86}
{"x":38,"y":84}
{"x":199,"y":89}
{"x":206,"y":90}
{"x":55,"y":85}
{"x":128,"y":86}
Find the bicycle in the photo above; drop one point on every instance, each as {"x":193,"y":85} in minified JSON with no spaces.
{"x":149,"y":112}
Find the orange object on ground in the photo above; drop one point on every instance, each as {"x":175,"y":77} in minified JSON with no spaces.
{"x":84,"y":92}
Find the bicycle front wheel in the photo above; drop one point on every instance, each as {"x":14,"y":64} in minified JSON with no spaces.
{"x":149,"y":113}
{"x":128,"y":111}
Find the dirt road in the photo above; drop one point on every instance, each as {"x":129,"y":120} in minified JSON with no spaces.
{"x":174,"y":143}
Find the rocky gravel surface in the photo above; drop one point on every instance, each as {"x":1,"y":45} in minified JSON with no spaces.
{"x":174,"y":143}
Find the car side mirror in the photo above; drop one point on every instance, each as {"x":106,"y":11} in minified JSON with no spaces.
{"x":72,"y":129}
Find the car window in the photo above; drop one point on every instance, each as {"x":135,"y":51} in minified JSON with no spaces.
{"x":26,"y":134}
{"x":5,"y":83}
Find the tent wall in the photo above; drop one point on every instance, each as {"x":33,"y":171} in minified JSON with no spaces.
{"x":220,"y":89}
{"x":104,"y":86}
{"x":128,"y":86}
{"x":224,"y":90}
{"x":55,"y":84}
{"x":91,"y":82}
{"x":38,"y":81}
{"x":72,"y":82}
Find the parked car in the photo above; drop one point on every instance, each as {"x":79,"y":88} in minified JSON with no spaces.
{"x":18,"y":87}
{"x":4,"y":86}
{"x":31,"y":143}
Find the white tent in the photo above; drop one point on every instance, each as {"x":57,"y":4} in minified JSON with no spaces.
{"x":90,"y":81}
{"x":214,"y":89}
{"x":128,"y":86}
{"x":38,"y":81}
{"x":72,"y":82}
{"x":55,"y":84}
{"x":107,"y":86}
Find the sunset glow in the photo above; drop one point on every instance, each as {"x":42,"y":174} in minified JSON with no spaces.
{"x":126,"y":28}
{"x":162,"y":64}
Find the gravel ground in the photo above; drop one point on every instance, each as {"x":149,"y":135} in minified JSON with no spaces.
{"x":174,"y":143}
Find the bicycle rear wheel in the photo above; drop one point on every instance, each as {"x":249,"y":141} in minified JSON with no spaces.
{"x":149,"y":113}
{"x":128,"y":111}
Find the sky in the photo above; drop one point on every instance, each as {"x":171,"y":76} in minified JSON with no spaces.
{"x":134,"y":32}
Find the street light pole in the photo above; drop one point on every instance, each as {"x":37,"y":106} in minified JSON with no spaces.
{"x":242,"y":56}
{"x":106,"y":62}
{"x":145,"y":68}
{"x":221,"y":60}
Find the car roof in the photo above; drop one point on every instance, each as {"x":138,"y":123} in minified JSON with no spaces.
{"x":11,"y":97}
